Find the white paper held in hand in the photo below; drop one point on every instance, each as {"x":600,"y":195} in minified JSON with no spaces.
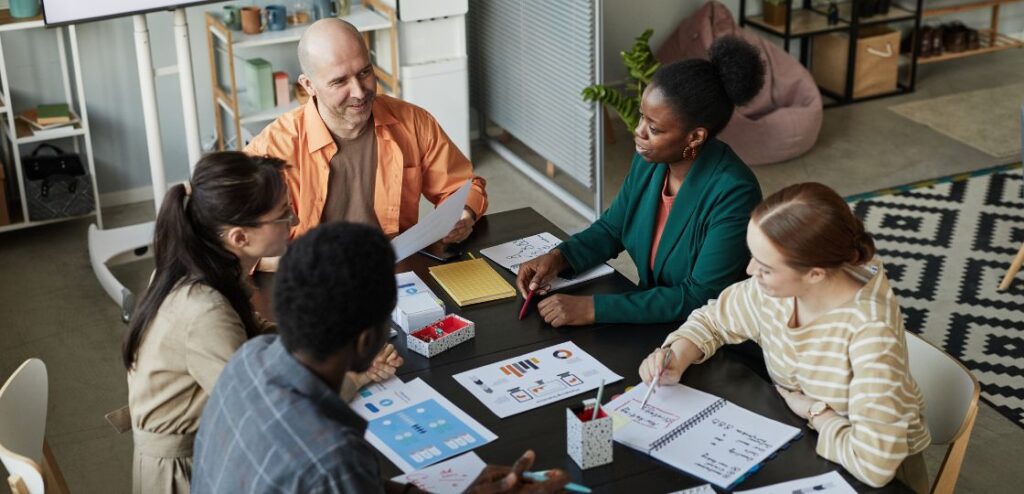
{"x":434,"y":227}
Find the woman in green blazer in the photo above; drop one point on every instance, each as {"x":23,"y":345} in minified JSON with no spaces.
{"x":683,"y":183}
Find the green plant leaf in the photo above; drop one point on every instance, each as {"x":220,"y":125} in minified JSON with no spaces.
{"x":641,"y":65}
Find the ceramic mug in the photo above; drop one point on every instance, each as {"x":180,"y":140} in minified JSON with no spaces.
{"x":251,"y":20}
{"x":277,"y":17}
{"x":21,"y":9}
{"x":232,"y":17}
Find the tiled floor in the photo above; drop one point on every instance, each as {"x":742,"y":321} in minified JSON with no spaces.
{"x":51,"y":306}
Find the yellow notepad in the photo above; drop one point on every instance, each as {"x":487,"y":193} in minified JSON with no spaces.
{"x":472,"y":282}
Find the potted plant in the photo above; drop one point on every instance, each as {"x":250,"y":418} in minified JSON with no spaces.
{"x":775,"y":11}
{"x":641,"y":64}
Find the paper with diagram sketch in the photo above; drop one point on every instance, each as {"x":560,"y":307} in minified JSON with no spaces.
{"x":535,"y":379}
{"x":448,"y":477}
{"x":510,"y":255}
{"x":697,"y":432}
{"x":414,"y":426}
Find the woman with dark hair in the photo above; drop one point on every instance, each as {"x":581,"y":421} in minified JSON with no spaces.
{"x":197,"y":310}
{"x":683,"y":208}
{"x":820,"y":307}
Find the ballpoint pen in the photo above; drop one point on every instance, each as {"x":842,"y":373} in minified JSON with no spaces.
{"x":657,"y":378}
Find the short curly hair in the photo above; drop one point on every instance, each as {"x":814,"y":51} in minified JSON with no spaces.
{"x":334,"y":283}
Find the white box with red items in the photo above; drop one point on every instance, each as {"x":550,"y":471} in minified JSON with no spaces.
{"x":437,"y":337}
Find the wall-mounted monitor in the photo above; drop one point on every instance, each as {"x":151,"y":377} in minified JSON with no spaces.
{"x":61,"y":12}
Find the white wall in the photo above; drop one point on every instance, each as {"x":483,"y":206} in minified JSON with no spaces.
{"x":114,"y":100}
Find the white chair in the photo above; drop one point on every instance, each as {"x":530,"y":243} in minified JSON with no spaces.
{"x":950,"y":404}
{"x":23,"y":447}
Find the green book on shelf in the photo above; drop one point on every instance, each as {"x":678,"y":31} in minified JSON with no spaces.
{"x":53,"y":114}
{"x":259,"y":83}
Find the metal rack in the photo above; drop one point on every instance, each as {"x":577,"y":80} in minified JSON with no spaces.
{"x":804,"y":23}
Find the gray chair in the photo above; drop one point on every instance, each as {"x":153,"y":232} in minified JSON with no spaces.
{"x":951,"y":395}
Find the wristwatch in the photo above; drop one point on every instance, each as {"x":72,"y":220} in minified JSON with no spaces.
{"x":817,"y":408}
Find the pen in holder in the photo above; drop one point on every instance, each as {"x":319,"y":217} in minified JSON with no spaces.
{"x":588,"y":439}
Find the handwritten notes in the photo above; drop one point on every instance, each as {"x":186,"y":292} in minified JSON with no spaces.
{"x":454,"y":475}
{"x":510,"y":255}
{"x":697,"y":432}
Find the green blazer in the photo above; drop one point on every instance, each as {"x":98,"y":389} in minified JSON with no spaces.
{"x":703,"y":247}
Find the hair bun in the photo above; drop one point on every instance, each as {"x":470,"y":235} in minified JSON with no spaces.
{"x":863,"y":247}
{"x":739,"y":66}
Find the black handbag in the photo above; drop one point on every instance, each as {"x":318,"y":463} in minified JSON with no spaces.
{"x":56,"y":184}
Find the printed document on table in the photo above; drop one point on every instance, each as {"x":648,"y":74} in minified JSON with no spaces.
{"x":535,"y":379}
{"x":828,"y":483}
{"x":448,"y":477}
{"x":510,"y":255}
{"x":434,"y":227}
{"x":412,"y":425}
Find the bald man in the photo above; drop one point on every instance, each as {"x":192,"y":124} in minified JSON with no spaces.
{"x":354,"y":155}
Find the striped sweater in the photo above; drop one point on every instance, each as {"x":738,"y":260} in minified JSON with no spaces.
{"x":854,"y":358}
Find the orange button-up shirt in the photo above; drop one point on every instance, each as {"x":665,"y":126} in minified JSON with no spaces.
{"x":414,"y":157}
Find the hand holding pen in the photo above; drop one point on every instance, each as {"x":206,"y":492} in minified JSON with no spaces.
{"x":659,"y":367}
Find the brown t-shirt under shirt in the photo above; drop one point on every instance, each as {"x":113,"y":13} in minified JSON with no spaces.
{"x":351,"y":183}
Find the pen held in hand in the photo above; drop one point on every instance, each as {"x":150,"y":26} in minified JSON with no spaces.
{"x":526,"y":304}
{"x":657,"y":378}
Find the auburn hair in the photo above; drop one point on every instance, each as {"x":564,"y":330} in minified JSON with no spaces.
{"x":813,"y":227}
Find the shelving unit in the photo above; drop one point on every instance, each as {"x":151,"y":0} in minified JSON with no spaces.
{"x":809,"y":20}
{"x":230,"y":110}
{"x":991,"y":40}
{"x":17,"y":133}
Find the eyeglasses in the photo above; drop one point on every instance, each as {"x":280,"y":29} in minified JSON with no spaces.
{"x":289,"y":219}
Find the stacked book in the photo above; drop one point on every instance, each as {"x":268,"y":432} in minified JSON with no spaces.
{"x":48,"y":119}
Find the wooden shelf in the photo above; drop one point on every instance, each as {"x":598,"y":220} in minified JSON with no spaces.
{"x":8,"y":23}
{"x":365,"y":20}
{"x":804,"y":22}
{"x":990,"y":42}
{"x":954,"y":9}
{"x":895,"y":14}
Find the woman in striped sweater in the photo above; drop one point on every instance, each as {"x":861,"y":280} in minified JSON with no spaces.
{"x":819,"y":305}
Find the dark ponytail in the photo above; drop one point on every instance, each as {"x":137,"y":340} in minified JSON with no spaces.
{"x":227,"y":189}
{"x":705,"y":93}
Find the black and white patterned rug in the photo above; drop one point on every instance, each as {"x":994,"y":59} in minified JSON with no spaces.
{"x":946,"y":245}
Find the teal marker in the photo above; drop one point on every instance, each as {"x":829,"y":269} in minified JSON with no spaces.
{"x":542,"y":476}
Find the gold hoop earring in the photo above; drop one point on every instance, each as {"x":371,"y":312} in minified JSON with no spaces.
{"x":689,"y":153}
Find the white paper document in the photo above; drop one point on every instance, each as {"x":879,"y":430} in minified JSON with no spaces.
{"x":828,"y":483}
{"x":434,"y":227}
{"x":535,"y":379}
{"x":697,"y":432}
{"x":700,"y":489}
{"x":448,"y":477}
{"x":510,"y":255}
{"x":412,"y":425}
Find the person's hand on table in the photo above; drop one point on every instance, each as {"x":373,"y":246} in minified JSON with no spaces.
{"x":798,"y":402}
{"x":654,"y":362}
{"x":536,"y":274}
{"x":495,"y":479}
{"x":385,"y":364}
{"x":462,"y":228}
{"x":567,"y":310}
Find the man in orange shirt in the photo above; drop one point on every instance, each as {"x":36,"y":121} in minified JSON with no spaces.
{"x":358,"y":156}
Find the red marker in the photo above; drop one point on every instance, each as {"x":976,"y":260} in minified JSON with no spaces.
{"x":526,"y":305}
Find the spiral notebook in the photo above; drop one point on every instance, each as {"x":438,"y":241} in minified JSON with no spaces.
{"x":697,"y":432}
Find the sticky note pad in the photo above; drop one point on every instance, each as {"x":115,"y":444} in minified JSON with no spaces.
{"x":472,"y":282}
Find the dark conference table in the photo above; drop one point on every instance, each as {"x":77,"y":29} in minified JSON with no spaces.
{"x":500,"y":335}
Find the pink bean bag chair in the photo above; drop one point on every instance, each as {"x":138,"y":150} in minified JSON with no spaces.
{"x":783,"y":120}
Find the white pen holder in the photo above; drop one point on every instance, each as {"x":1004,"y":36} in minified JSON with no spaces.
{"x":589,"y":442}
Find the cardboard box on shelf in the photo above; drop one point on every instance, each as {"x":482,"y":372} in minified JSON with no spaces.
{"x":876,"y":70}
